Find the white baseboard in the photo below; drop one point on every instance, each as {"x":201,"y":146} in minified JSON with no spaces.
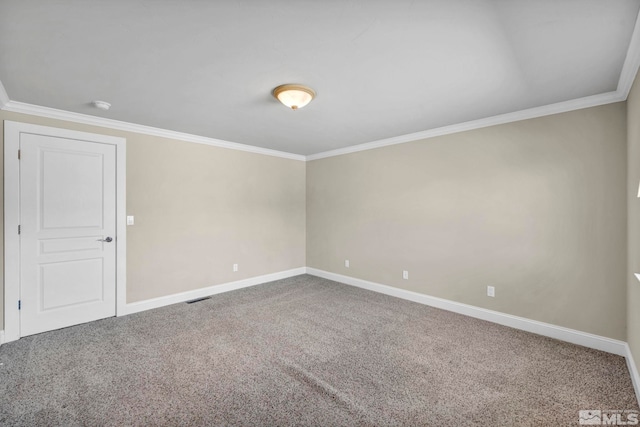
{"x":149,"y":304}
{"x":633,"y":371}
{"x":546,"y":329}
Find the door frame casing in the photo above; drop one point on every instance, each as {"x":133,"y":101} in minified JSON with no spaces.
{"x":12,"y":131}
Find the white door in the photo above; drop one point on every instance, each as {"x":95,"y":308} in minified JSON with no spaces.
{"x":67,"y":236}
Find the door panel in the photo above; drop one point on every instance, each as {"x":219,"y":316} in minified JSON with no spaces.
{"x":72,"y":190}
{"x":67,"y":207}
{"x":74,"y":244}
{"x":64,"y":284}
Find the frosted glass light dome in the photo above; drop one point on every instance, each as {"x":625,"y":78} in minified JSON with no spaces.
{"x":294,"y":96}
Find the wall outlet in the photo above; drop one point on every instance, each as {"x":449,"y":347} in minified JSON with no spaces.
{"x":346,"y":263}
{"x":405,"y":275}
{"x":235,"y":267}
{"x":491,"y":291}
{"x":130,"y":220}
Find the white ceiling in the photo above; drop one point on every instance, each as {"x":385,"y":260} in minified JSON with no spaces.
{"x":381,"y":68}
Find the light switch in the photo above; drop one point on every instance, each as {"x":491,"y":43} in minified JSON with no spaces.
{"x":129,"y":219}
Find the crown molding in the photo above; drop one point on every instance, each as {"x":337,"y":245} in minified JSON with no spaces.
{"x":531,"y":113}
{"x":631,"y":62}
{"x":52,"y":113}
{"x":626,"y":80}
{"x":4,"y":98}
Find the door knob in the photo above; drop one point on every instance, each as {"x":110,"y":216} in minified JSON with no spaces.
{"x":108,"y":239}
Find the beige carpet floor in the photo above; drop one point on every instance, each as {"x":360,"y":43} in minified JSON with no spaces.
{"x":303,"y":351}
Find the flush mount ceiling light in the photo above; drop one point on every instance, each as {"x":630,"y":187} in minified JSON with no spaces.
{"x":103,"y":105}
{"x":294,"y":96}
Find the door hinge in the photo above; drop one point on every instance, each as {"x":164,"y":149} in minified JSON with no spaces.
{"x":18,"y":154}
{"x":19,"y":229}
{"x":19,"y":304}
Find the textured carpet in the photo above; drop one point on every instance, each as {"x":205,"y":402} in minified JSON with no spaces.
{"x":303,"y":351}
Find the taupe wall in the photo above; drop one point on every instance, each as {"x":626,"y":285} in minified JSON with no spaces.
{"x":633,"y":286}
{"x":200,"y":209}
{"x":535,"y":208}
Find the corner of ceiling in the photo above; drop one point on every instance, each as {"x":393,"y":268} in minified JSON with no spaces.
{"x":631,"y":63}
{"x":516,"y":116}
{"x":69,"y":116}
{"x":4,"y":98}
{"x":627,"y":77}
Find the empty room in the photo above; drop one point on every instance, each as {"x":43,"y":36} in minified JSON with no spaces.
{"x":332,"y":213}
